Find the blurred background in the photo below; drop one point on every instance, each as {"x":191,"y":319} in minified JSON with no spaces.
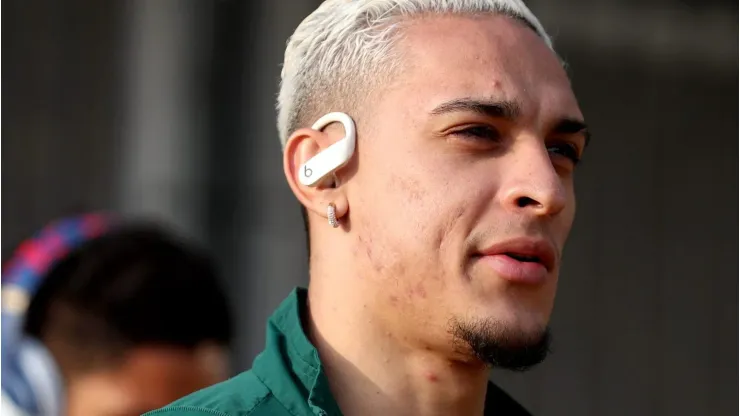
{"x":166,"y":108}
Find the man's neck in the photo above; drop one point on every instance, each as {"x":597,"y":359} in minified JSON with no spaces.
{"x":372,"y":371}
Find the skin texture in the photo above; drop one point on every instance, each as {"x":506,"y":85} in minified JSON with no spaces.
{"x":426,"y":190}
{"x":148,"y":378}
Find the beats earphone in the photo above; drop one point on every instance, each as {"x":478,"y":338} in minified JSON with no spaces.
{"x":328,"y":161}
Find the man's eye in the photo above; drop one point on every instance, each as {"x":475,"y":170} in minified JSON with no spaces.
{"x":479,"y":133}
{"x":566,"y":150}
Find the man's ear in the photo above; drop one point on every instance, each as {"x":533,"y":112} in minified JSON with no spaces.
{"x":301,"y":146}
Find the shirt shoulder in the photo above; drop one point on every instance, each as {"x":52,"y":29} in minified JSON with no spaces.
{"x":243,"y":395}
{"x":498,"y":402}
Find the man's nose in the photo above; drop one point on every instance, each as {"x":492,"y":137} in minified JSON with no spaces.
{"x":530,"y":183}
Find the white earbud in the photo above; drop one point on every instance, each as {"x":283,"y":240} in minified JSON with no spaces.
{"x":333,"y":157}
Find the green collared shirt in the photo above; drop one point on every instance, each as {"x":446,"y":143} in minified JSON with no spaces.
{"x":287,"y":379}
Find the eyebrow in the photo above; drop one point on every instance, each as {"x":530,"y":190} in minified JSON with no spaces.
{"x":508,"y":110}
{"x":572,"y":126}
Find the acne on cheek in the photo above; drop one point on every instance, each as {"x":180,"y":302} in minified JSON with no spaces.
{"x":418,"y":291}
{"x":365,"y":245}
{"x":409,"y":187}
{"x":431,"y":377}
{"x":410,"y":207}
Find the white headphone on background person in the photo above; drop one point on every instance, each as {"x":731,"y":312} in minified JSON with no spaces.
{"x":328,"y":161}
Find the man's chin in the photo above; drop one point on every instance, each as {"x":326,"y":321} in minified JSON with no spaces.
{"x":499,"y":346}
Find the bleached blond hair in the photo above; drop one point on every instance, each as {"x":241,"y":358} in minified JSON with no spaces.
{"x":344,"y":48}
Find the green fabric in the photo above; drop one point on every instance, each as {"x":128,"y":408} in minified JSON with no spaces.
{"x":287,"y":378}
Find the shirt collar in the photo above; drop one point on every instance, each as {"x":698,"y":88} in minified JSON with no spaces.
{"x":290,"y":366}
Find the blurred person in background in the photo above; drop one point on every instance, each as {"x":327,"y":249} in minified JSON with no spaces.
{"x":105,"y":317}
{"x":435,"y":251}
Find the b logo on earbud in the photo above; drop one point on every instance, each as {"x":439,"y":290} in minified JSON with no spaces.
{"x":327,"y":161}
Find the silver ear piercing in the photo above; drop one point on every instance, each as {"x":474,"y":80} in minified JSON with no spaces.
{"x":331,"y":214}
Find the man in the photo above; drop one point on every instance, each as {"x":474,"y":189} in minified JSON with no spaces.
{"x":123,"y":318}
{"x":435,"y":251}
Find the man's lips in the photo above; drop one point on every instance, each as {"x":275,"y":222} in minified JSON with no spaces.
{"x":521,"y":260}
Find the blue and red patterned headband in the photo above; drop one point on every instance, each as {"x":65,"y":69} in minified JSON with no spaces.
{"x":36,"y":256}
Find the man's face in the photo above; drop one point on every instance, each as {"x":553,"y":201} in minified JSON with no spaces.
{"x":147,"y":379}
{"x":463,"y":197}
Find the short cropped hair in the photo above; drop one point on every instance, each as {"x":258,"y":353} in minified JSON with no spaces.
{"x":137,"y":285}
{"x":345,"y":46}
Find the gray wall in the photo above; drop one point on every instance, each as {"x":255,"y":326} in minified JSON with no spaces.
{"x":646,"y":312}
